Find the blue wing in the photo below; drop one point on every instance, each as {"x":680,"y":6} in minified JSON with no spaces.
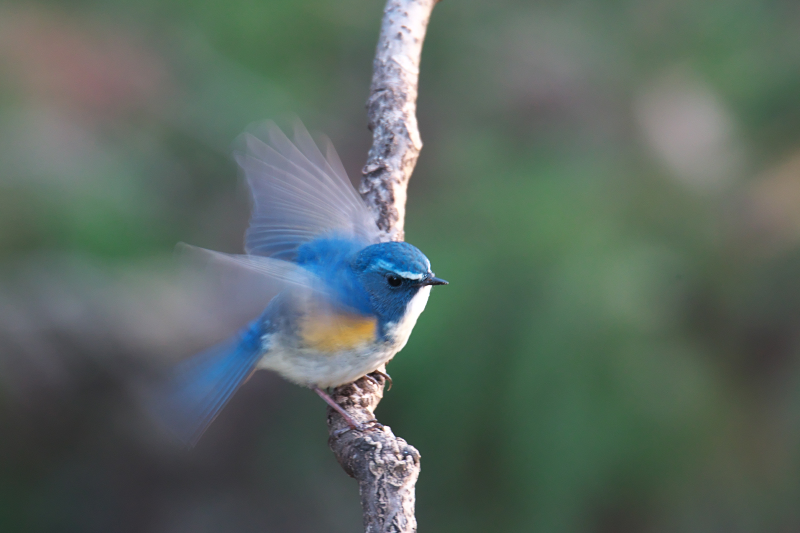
{"x":298,"y":282}
{"x":298,"y":194}
{"x":201,"y":386}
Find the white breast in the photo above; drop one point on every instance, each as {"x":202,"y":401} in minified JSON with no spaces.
{"x":401,"y":330}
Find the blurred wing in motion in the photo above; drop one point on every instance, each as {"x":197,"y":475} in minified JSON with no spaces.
{"x":303,"y":291}
{"x":198,"y":388}
{"x":231,"y":292}
{"x":263,"y":274}
{"x":202,"y":385}
{"x":298,"y":194}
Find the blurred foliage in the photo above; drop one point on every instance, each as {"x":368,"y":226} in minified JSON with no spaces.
{"x":612,"y":189}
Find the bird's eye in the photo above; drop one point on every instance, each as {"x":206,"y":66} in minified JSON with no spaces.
{"x":393,"y":281}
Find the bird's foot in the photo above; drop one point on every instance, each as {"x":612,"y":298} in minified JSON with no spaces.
{"x":386,"y":377}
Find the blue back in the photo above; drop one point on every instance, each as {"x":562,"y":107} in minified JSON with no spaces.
{"x":331,"y":259}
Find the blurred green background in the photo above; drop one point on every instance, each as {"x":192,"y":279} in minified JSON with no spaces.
{"x":611,"y":188}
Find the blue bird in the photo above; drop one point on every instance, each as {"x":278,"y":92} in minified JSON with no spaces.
{"x":347,"y":302}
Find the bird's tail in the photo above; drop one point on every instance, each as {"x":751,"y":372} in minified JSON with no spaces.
{"x":201,"y":386}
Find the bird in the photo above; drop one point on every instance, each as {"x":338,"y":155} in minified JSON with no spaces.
{"x":347,"y":300}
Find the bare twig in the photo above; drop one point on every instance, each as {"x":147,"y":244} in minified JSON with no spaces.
{"x":391,"y":109}
{"x":385,"y":466}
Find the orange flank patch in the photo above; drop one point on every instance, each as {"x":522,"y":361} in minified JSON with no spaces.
{"x":337,"y":332}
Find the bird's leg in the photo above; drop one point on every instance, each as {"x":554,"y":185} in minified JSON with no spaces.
{"x":385,"y":376}
{"x":250,"y":375}
{"x":371,"y":424}
{"x":347,"y":418}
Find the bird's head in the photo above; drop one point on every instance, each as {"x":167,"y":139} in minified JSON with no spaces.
{"x":395,"y":274}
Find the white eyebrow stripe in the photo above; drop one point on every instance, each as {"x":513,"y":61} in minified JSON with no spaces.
{"x":410,"y":275}
{"x":385,"y":265}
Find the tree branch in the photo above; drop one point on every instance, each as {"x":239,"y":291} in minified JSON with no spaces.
{"x":385,"y":466}
{"x":392,"y":108}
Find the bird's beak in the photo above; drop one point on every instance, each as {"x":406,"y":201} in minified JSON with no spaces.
{"x":433,"y":280}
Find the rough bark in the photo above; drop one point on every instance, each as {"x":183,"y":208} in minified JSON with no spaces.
{"x":392,"y":108}
{"x":385,"y":466}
